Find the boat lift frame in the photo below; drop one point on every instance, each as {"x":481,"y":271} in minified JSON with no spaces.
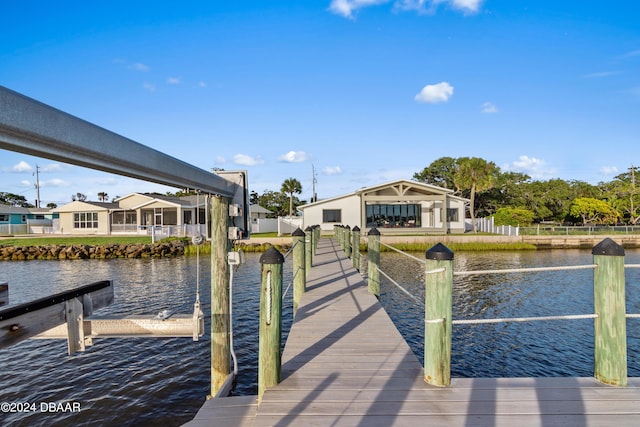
{"x":30,"y":127}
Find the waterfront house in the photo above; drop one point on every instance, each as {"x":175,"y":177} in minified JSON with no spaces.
{"x":400,"y":206}
{"x":19,"y":220}
{"x":135,"y":213}
{"x":85,"y":217}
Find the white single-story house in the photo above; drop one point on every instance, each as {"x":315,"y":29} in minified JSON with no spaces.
{"x":134,"y":213}
{"x":397,"y":206}
{"x":258,"y":212}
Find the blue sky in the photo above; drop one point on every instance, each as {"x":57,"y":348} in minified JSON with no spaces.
{"x":366,"y":91}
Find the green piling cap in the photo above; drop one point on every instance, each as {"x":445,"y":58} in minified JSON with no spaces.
{"x":298,"y":232}
{"x":373,"y":232}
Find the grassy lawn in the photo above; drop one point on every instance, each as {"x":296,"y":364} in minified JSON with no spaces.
{"x":273,"y":234}
{"x":90,"y":240}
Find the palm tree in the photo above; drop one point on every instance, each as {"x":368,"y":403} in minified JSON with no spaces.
{"x":102,"y":196}
{"x":476,"y":175}
{"x":290,"y":186}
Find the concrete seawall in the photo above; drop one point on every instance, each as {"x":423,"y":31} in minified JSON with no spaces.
{"x":541,"y":242}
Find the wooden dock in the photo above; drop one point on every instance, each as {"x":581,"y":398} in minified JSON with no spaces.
{"x":346,"y":364}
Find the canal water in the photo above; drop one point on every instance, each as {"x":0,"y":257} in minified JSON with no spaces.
{"x":144,"y":381}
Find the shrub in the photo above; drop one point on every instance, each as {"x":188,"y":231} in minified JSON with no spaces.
{"x":514,"y":217}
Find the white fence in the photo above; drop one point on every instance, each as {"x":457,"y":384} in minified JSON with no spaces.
{"x":31,"y":227}
{"x":487,"y":225}
{"x":264,"y":225}
{"x":287,"y":225}
{"x":283,"y":225}
{"x":158,"y":232}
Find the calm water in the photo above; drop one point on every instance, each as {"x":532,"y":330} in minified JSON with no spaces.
{"x":135,"y":381}
{"x":536,"y":349}
{"x":151,"y":381}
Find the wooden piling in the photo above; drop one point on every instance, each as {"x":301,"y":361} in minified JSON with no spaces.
{"x":373,"y":266}
{"x":308,"y":250}
{"x":299,"y":266}
{"x":220,"y":246}
{"x":610,"y":327}
{"x":347,"y":241}
{"x":355,"y":252}
{"x":438,"y":312}
{"x":269,"y":358}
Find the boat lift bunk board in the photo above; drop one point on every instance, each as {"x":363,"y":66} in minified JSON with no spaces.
{"x":67,"y":315}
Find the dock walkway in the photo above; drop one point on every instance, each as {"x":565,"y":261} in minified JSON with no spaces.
{"x":346,"y":364}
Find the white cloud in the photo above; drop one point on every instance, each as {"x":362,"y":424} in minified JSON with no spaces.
{"x":26,"y":183}
{"x":149,"y":86}
{"x":631,"y":54}
{"x":174,"y":80}
{"x":535,"y":168}
{"x":609,"y":170}
{"x":55,"y":182}
{"x":488,"y":107}
{"x":433,"y":94}
{"x":601,"y":74}
{"x":467,"y":6}
{"x":294,"y":157}
{"x":219,"y":160}
{"x":138,"y":66}
{"x":246,"y":160}
{"x":346,"y":8}
{"x":53,"y":167}
{"x":21,"y":167}
{"x":332,"y":170}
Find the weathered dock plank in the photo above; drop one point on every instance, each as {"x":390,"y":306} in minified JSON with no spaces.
{"x":229,"y":411}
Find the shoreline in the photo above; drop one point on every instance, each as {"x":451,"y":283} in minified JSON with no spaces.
{"x":260,"y":244}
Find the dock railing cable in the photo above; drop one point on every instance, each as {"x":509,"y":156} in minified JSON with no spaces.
{"x":609,"y":306}
{"x":293,"y":275}
{"x":500,"y":271}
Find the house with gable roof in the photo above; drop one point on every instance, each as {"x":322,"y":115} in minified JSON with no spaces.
{"x":400,"y":206}
{"x":135,"y":213}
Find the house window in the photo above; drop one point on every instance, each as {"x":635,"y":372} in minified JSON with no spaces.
{"x":24,"y":218}
{"x":39,"y":216}
{"x":85,"y":220}
{"x":452,"y":215}
{"x":332,"y":215}
{"x":397,"y":215}
{"x":124,"y":217}
{"x":4,"y":218}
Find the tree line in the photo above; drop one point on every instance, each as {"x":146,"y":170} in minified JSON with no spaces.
{"x":513,"y":198}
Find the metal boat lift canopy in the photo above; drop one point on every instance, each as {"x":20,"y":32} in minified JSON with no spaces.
{"x":31,"y":127}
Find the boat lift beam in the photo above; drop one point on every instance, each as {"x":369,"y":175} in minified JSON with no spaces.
{"x":30,"y":127}
{"x":27,"y":320}
{"x":65,"y":315}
